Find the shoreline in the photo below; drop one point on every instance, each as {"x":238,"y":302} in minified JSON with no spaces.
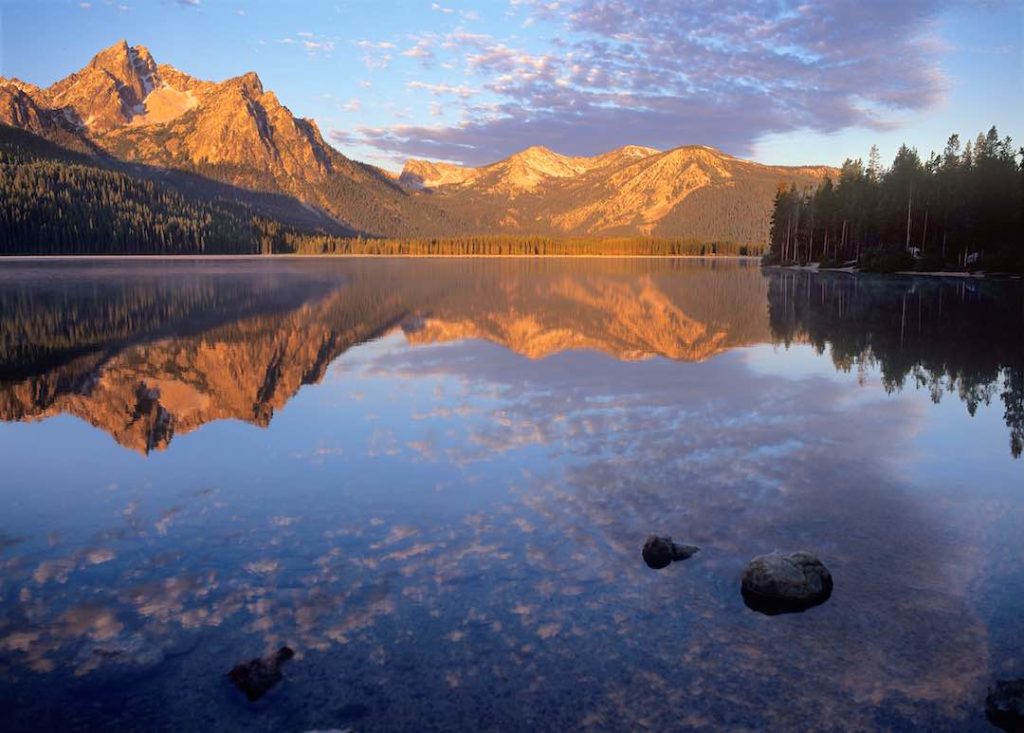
{"x":903,"y":273}
{"x":222,"y":257}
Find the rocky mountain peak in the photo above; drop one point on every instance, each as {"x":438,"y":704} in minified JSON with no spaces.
{"x":636,"y":151}
{"x":535,"y":152}
{"x":109,"y":91}
{"x":131,"y":67}
{"x":248,"y":83}
{"x":544,"y":160}
{"x":417,"y":174}
{"x":23,"y":86}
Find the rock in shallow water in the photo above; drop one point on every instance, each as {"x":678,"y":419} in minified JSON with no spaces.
{"x":779,"y":583}
{"x":1004,"y":705}
{"x":258,"y":675}
{"x":660,"y":552}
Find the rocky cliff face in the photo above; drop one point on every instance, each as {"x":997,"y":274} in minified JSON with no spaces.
{"x":18,"y":109}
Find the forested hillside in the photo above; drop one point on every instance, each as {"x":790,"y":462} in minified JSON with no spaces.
{"x":961,"y":209}
{"x":55,"y":201}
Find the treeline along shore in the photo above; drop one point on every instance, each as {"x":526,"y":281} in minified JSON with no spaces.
{"x":961,"y":209}
{"x":285,"y":241}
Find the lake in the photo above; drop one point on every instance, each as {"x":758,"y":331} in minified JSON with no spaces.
{"x":432,"y":480}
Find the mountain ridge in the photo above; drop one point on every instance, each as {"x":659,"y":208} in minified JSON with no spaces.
{"x":626,"y":191}
{"x":126,"y":106}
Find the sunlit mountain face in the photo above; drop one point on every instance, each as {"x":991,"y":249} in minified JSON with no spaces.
{"x":432,"y":481}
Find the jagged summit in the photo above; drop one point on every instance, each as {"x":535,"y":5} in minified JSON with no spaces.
{"x":691,"y":190}
{"x":123,"y":89}
{"x":522,"y":172}
{"x":249,"y":83}
{"x":125,"y":104}
{"x":636,"y":151}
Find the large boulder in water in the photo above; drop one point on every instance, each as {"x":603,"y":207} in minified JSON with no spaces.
{"x":660,"y":552}
{"x":779,"y":583}
{"x":1004,"y":706}
{"x":258,"y":675}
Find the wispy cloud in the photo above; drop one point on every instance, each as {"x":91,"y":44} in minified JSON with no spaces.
{"x":463,"y":91}
{"x":313,"y":44}
{"x":376,"y":54}
{"x":665,"y":74}
{"x":423,"y":49}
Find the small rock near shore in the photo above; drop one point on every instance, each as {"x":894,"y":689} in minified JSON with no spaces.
{"x":1004,"y":706}
{"x":780,"y":583}
{"x":257,"y":676}
{"x":660,"y":552}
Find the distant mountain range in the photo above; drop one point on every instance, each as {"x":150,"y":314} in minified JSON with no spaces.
{"x":124,"y":107}
{"x":691,"y":191}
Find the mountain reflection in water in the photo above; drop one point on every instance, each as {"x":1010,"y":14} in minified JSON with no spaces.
{"x":146,"y":360}
{"x":446,"y":522}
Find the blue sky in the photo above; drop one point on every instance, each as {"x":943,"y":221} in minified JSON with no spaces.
{"x":776,"y":81}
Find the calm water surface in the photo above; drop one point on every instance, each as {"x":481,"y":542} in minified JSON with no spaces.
{"x":432,"y":480}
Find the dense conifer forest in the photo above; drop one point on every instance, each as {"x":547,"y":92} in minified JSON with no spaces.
{"x":286,"y":241}
{"x":961,"y":209}
{"x":55,"y":201}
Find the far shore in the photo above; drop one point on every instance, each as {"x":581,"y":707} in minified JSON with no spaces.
{"x":814,"y":267}
{"x":914,"y":273}
{"x":46,"y":258}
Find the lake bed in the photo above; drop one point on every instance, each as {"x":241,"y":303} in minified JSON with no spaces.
{"x":433,"y":480}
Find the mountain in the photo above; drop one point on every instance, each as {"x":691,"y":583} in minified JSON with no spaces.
{"x":175,"y":130}
{"x":692,"y":191}
{"x":126,"y":106}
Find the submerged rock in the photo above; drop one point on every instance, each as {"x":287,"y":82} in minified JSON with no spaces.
{"x":660,"y":552}
{"x":779,"y":583}
{"x":257,"y":676}
{"x":1004,"y":706}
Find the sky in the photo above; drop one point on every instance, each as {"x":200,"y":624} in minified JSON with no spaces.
{"x":474,"y":81}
